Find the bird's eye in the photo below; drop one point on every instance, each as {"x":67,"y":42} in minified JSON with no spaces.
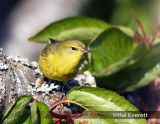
{"x":73,"y":48}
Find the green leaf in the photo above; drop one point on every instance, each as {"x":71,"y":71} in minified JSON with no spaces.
{"x":101,"y":100}
{"x":121,"y":65}
{"x":142,"y":72}
{"x":28,"y":121}
{"x":17,"y":113}
{"x":17,"y":103}
{"x":148,"y":77}
{"x":109,"y":48}
{"x":34,"y":112}
{"x":80,"y":28}
{"x":43,"y":114}
{"x":94,"y":120}
{"x":126,"y":30}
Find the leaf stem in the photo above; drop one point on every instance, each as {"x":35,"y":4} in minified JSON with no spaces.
{"x":66,"y":101}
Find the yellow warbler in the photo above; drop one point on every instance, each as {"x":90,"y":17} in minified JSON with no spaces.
{"x":61,"y":60}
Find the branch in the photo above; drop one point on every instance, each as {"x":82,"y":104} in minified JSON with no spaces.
{"x":19,"y":77}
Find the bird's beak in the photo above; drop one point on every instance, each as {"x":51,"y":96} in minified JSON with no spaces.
{"x":85,"y":50}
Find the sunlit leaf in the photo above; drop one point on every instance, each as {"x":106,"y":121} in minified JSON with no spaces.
{"x":80,"y":28}
{"x":101,"y":100}
{"x":34,"y":114}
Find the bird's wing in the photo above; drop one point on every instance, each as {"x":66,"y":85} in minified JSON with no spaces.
{"x":50,"y":49}
{"x":44,"y":52}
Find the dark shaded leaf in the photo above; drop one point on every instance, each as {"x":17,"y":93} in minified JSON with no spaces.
{"x":142,"y":72}
{"x":18,"y":113}
{"x":43,"y":113}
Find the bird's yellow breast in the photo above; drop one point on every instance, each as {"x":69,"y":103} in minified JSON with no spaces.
{"x":58,"y":67}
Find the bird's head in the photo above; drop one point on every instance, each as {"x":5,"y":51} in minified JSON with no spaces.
{"x":74,"y":48}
